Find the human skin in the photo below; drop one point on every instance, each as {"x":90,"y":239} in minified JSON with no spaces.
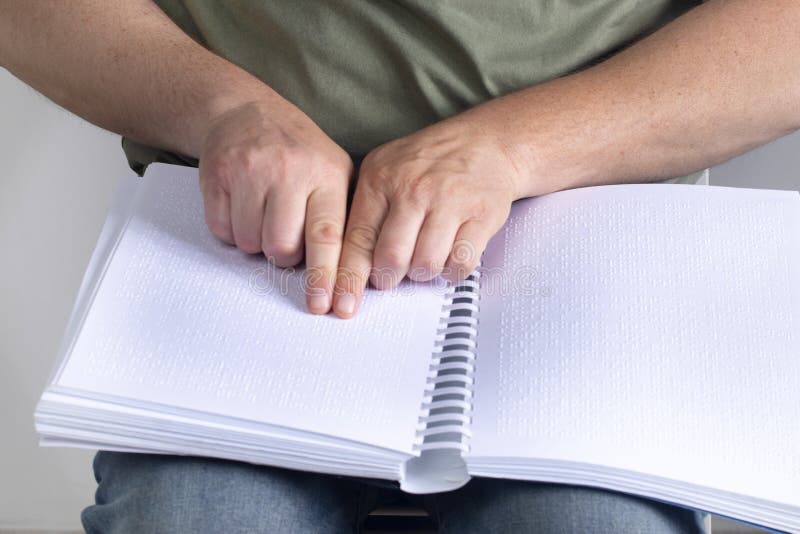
{"x":271,"y":179}
{"x":716,"y":82}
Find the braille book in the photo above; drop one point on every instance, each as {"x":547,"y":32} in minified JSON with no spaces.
{"x":639,"y":338}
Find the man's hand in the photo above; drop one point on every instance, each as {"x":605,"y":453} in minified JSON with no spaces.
{"x":272,"y":181}
{"x":271,"y":178}
{"x":425,"y":205}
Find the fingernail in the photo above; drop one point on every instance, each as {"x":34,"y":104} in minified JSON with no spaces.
{"x":319,"y":302}
{"x":346,"y":304}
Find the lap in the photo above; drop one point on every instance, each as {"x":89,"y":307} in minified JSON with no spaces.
{"x":489,"y":505}
{"x":146,"y":493}
{"x":153,"y":493}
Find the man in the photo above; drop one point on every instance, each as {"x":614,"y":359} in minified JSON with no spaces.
{"x":445,"y":112}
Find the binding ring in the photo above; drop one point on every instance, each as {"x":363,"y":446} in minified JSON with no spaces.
{"x":446,"y":411}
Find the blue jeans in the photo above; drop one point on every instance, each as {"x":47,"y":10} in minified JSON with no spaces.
{"x":140,"y":493}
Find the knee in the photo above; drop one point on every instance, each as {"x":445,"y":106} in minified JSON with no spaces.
{"x":506,"y":505}
{"x":154,"y":494}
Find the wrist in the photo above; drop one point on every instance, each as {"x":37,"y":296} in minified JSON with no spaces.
{"x":550,"y":136}
{"x":521,"y":148}
{"x":225,"y":95}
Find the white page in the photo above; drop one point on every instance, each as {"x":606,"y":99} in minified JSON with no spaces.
{"x":184,"y":320}
{"x":653,"y":328}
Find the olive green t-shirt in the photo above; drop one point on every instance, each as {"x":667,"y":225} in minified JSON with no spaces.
{"x":369,"y":71}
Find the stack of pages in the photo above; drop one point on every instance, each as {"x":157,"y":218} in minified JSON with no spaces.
{"x":640,"y":338}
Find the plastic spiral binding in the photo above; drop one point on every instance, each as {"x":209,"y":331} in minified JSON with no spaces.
{"x":444,"y":422}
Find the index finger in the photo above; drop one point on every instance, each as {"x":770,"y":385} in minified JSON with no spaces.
{"x":325,"y":213}
{"x":363,"y":226}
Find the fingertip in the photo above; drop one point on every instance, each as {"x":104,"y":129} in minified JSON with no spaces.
{"x":348,"y":290}
{"x":456,"y":273}
{"x":345,"y":305}
{"x":318,"y":301}
{"x":318,"y":287}
{"x":384,"y":279}
{"x":425,"y":271}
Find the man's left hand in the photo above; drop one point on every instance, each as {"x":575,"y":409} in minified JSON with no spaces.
{"x":425,"y":205}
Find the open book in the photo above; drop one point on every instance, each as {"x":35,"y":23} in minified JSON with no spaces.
{"x":641,"y":338}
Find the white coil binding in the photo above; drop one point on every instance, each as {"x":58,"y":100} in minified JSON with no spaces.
{"x":446,"y":411}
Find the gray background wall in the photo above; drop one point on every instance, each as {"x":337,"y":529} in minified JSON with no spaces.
{"x":58,"y":173}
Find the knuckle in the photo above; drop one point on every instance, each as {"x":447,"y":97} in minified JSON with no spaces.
{"x":258,"y":166}
{"x":390,"y":256}
{"x":338,"y":165}
{"x":372,"y":158}
{"x":249,"y":159}
{"x":282,"y":253}
{"x":374,"y":173}
{"x":418,"y":191}
{"x":362,"y":238}
{"x":248,"y":244}
{"x":231,"y":166}
{"x":288,"y":159}
{"x":281,"y":164}
{"x":215,"y":170}
{"x":324,"y":232}
{"x":443,"y":186}
{"x":369,"y":183}
{"x":330,"y":174}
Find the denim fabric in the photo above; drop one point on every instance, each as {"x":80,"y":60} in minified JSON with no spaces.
{"x":144,"y":494}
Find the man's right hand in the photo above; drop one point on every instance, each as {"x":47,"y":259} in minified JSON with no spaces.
{"x":271,"y":179}
{"x":273,"y":182}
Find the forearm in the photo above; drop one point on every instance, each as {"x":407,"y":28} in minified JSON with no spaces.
{"x":124,"y":66}
{"x":714,"y":83}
